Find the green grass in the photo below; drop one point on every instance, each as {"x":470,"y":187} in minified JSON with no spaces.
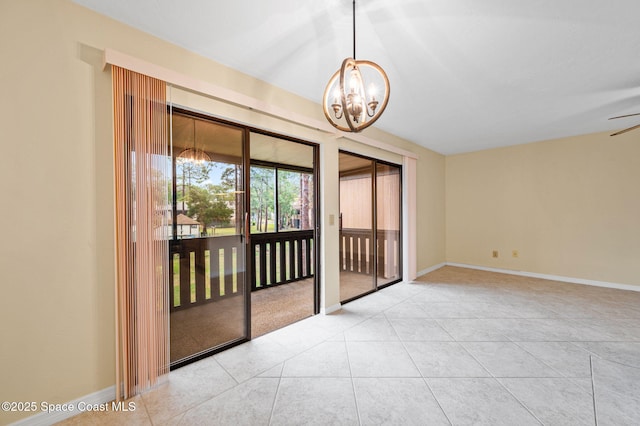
{"x":176,"y":279}
{"x":207,"y":272}
{"x":231,"y":230}
{"x":271,"y":227}
{"x":221,"y":232}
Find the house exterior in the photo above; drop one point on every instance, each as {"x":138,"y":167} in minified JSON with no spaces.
{"x":186,"y":227}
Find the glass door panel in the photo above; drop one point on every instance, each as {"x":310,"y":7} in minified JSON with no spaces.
{"x":356,"y":226}
{"x":208,"y":247}
{"x":283,"y":239}
{"x":388,"y":204}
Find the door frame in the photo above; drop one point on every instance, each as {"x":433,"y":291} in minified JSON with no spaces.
{"x":246,"y":234}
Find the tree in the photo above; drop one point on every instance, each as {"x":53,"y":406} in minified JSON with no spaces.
{"x":231,"y":181}
{"x":189,"y":172}
{"x":288,"y":194}
{"x":305,"y":201}
{"x":208,"y":205}
{"x":262,"y":196}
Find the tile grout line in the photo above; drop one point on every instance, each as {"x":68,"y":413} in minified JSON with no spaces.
{"x":226,"y":371}
{"x":561,"y":375}
{"x":424,"y":379}
{"x":518,"y":400}
{"x":593,"y":390}
{"x":184,"y":412}
{"x":353,"y":386}
{"x":146,"y":410}
{"x":476,"y":359}
{"x":275,"y":398}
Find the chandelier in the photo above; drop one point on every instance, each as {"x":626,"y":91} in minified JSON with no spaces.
{"x":352,"y":100}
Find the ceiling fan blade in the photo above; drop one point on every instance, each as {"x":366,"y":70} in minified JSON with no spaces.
{"x":626,"y":130}
{"x":623,"y":116}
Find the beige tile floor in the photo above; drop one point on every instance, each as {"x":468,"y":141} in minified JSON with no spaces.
{"x":458,"y":347}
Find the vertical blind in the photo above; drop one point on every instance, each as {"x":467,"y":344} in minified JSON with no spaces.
{"x":143,"y":174}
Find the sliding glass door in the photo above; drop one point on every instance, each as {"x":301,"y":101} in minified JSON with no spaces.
{"x":208,"y":291}
{"x":370,"y":227}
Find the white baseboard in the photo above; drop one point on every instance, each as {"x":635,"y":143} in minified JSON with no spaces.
{"x":47,"y":418}
{"x":331,"y":309}
{"x":550,"y":277}
{"x":430,"y":269}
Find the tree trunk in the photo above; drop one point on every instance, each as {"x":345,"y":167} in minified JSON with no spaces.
{"x":304,"y":202}
{"x":266,"y":218}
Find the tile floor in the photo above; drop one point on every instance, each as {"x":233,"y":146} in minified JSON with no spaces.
{"x":459,"y":347}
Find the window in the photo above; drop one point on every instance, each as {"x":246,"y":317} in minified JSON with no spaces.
{"x":295,"y":200}
{"x":281,"y":199}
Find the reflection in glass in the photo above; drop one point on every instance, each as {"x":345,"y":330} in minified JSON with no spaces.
{"x":356,"y":226}
{"x":207,"y":256}
{"x":388,"y":197}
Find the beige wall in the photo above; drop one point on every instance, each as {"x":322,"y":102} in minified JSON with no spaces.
{"x":56,"y":309}
{"x":57,"y":304}
{"x":571,"y":207}
{"x":431,"y":210}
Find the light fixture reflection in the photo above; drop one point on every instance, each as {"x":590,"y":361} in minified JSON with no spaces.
{"x":194,"y":155}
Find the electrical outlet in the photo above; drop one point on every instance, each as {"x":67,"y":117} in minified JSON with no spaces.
{"x":515,"y":253}
{"x":495,"y":253}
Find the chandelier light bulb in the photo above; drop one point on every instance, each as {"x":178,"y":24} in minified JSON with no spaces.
{"x":373,"y":91}
{"x":354,"y":81}
{"x":336,"y":95}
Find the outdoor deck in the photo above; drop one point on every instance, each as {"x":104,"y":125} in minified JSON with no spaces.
{"x":214,"y":324}
{"x":207,"y":297}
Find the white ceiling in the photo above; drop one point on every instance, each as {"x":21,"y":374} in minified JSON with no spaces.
{"x":465,"y":75}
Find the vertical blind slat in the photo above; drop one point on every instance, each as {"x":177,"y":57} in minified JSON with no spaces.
{"x":142,"y":173}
